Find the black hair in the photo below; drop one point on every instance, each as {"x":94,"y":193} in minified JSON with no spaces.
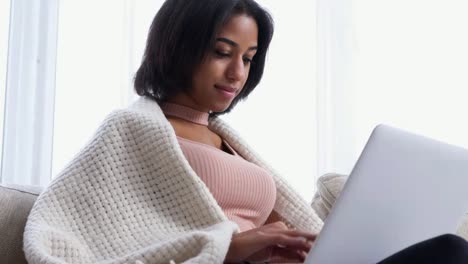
{"x":182,"y":33}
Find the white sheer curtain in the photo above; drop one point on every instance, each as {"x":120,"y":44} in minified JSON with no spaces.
{"x":29,"y":96}
{"x":4,"y":30}
{"x":334,"y":96}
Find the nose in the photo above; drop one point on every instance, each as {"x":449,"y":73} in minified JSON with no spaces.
{"x":236,"y":70}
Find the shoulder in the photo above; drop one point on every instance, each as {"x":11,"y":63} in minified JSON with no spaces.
{"x":143,"y":114}
{"x":140,"y":110}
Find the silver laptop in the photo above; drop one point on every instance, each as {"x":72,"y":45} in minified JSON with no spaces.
{"x":404,"y":189}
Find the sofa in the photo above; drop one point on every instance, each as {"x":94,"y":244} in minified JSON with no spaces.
{"x":16,"y":202}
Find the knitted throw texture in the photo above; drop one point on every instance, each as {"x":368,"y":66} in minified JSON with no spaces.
{"x":130,"y":196}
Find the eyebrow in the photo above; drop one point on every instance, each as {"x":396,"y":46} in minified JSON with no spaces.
{"x":232,"y":43}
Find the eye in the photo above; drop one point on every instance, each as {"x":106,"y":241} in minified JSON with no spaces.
{"x":247,"y":60}
{"x":222,"y":53}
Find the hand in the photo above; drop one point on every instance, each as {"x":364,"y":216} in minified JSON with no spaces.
{"x":273,"y":242}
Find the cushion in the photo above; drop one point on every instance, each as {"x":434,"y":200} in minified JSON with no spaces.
{"x":15,"y":203}
{"x":329,"y":187}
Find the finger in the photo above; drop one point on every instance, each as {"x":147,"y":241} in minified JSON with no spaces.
{"x":283,"y":227}
{"x":295,"y":236}
{"x":297,"y":233}
{"x":277,"y":225}
{"x":285,"y":255}
{"x":284,"y":240}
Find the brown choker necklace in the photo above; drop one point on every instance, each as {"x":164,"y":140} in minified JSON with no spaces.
{"x":185,"y":113}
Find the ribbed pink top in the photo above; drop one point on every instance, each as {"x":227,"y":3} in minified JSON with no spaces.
{"x":245,"y":192}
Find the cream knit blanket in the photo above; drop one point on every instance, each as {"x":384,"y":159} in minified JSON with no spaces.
{"x":130,"y":196}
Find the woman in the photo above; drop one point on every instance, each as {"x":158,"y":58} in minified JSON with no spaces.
{"x":203,"y":70}
{"x":166,"y":180}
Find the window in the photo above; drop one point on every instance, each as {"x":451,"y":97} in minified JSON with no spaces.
{"x":97,"y":58}
{"x":4,"y":31}
{"x":409,"y":62}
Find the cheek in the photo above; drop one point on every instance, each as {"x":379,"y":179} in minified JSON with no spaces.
{"x":247,"y":72}
{"x":214,"y":64}
{"x":218,"y":68}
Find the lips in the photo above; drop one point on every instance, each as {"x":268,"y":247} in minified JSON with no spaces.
{"x":227,"y":92}
{"x":228,"y":89}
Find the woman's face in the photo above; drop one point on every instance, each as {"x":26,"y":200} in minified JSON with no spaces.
{"x":222,"y":74}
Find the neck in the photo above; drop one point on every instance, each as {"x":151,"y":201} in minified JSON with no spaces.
{"x":185,"y":113}
{"x":185,"y":99}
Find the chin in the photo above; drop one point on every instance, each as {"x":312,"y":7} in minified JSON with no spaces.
{"x":220,"y":107}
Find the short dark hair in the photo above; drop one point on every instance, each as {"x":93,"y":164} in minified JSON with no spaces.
{"x":182,"y":33}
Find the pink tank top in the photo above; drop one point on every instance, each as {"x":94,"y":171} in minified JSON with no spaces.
{"x":245,"y":192}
